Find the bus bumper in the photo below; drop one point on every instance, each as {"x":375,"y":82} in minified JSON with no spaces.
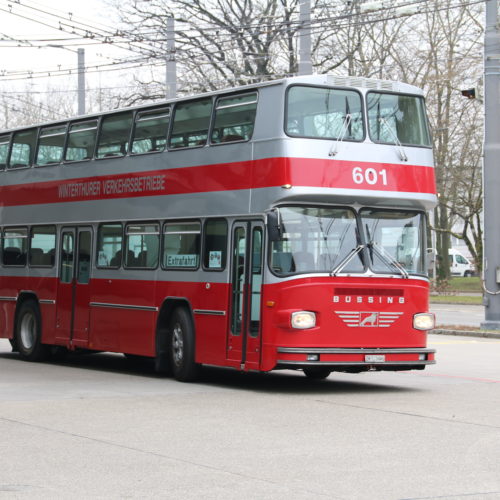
{"x":355,"y":359}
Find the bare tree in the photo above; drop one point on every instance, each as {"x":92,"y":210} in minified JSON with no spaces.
{"x":34,"y":105}
{"x":449,"y":38}
{"x":219,"y":43}
{"x":440,"y":51}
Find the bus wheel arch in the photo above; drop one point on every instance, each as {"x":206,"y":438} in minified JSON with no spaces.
{"x":28,"y":329}
{"x":22,"y":297}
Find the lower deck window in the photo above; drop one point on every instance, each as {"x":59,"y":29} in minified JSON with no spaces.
{"x":109,"y":245}
{"x":215,"y":245}
{"x":15,"y":247}
{"x":42,"y":246}
{"x":142,"y":243}
{"x":181,"y":245}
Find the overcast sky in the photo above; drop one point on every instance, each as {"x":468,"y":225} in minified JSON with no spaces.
{"x":18,"y":22}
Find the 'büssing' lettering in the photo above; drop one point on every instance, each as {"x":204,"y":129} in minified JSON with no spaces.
{"x":347,"y":299}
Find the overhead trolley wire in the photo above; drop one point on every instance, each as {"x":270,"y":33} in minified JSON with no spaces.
{"x":153,"y":56}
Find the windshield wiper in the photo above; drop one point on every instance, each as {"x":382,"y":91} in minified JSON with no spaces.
{"x":345,"y":127}
{"x":387,"y":258}
{"x":347,"y":259}
{"x":394,"y":136}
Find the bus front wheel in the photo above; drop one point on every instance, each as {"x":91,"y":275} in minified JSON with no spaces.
{"x":317,"y":372}
{"x":182,"y":346}
{"x":28,"y":337}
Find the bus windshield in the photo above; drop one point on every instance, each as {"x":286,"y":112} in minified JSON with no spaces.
{"x":317,"y":239}
{"x":324,"y":113}
{"x":395,"y":240}
{"x":394,"y":119}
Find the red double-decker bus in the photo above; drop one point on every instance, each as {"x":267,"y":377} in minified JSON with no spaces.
{"x":276,"y":225}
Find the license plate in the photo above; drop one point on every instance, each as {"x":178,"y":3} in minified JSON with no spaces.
{"x":375,"y":358}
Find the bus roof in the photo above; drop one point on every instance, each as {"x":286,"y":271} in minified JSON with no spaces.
{"x":323,"y":80}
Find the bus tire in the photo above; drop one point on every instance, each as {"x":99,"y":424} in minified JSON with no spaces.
{"x":182,"y":346}
{"x":28,"y":335}
{"x":13,"y":345}
{"x":317,"y":372}
{"x":58,"y":353}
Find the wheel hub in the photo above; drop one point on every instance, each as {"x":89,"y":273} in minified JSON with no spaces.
{"x":28,"y":326}
{"x":177,"y":344}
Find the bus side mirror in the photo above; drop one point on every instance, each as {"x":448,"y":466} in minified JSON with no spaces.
{"x":431,"y":257}
{"x":274,"y":230}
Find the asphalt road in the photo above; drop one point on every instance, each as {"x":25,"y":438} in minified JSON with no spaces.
{"x":457,"y":314}
{"x":98,"y":427}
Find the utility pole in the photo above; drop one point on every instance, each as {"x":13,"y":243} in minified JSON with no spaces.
{"x":491,"y":168}
{"x":81,"y":81}
{"x":305,"y":64}
{"x":171,"y":77}
{"x":81,"y":75}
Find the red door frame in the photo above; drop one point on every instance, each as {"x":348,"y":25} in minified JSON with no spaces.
{"x":244,"y":338}
{"x":73,"y":288}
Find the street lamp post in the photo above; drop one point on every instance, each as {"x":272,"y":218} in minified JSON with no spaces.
{"x":491,"y":170}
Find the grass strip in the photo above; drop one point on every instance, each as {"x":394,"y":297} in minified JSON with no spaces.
{"x":457,"y":299}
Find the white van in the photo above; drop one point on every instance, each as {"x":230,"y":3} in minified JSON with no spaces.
{"x":459,"y":264}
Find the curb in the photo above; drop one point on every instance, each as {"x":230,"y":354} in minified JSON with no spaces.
{"x":465,"y":333}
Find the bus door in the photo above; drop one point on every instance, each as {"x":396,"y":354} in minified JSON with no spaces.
{"x":73,"y":294}
{"x":244,"y":334}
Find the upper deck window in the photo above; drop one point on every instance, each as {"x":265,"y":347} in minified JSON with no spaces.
{"x":23,"y":147}
{"x":115,"y":135}
{"x":324,"y":113}
{"x":51,"y":145}
{"x":81,"y":141}
{"x":4,"y":150}
{"x":394,"y":119}
{"x":191,"y":123}
{"x":234,"y":118}
{"x":150,"y":133}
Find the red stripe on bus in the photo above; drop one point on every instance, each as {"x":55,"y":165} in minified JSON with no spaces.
{"x":306,"y":172}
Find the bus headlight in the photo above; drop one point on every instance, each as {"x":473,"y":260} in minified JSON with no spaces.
{"x":423,"y":321}
{"x":303,"y":320}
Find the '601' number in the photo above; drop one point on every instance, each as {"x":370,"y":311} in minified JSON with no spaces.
{"x":370,"y":176}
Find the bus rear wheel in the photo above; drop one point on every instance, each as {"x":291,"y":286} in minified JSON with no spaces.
{"x":317,"y":372}
{"x":28,"y":336}
{"x":182,"y":346}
